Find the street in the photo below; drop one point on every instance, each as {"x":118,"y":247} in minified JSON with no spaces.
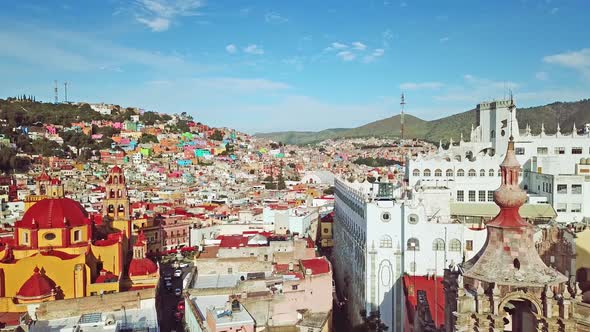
{"x":168,"y":301}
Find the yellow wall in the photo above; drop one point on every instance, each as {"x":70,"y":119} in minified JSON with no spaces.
{"x":110,"y":256}
{"x":83,"y":234}
{"x":58,"y":270}
{"x":583,"y":249}
{"x":56,"y":242}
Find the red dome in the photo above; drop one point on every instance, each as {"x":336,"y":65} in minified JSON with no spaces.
{"x":38,"y":286}
{"x":55,"y":181}
{"x":142,"y":267}
{"x":43,"y":177}
{"x":116,"y":169}
{"x":54,"y":213}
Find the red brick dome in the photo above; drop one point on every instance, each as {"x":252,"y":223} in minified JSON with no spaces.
{"x":54,"y":213}
{"x":116,"y":169}
{"x":142,"y":267}
{"x":38,"y":286}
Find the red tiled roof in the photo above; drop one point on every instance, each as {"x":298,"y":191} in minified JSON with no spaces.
{"x":233,"y":241}
{"x":317,"y":265}
{"x":106,"y":276}
{"x":60,"y":254}
{"x":412,"y":284}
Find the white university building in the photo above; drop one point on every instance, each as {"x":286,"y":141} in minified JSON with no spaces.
{"x":383,"y":231}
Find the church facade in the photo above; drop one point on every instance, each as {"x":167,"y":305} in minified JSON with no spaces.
{"x":59,"y":252}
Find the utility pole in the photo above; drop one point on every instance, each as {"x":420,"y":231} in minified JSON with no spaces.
{"x":55,"y":92}
{"x":402,"y":103}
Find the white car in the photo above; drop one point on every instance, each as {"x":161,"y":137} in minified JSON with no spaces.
{"x":183,"y":265}
{"x":178,"y":273}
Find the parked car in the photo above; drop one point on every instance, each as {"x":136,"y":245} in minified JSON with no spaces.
{"x":183,"y":265}
{"x":178,"y":273}
{"x":167,"y":277}
{"x":168,"y":284}
{"x":177,"y":292}
{"x":178,"y":316}
{"x":180,"y":306}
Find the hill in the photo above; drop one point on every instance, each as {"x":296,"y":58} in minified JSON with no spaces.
{"x":451,"y":126}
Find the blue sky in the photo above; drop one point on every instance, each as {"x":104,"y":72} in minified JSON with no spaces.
{"x":297,"y":65}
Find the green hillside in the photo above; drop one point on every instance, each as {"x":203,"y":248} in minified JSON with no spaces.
{"x":451,"y":126}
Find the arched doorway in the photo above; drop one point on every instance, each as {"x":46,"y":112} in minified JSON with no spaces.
{"x":519,"y":315}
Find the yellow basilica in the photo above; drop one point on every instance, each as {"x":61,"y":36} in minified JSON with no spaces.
{"x":59,"y":252}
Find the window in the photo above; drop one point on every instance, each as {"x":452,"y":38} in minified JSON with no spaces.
{"x":472,"y":195}
{"x":482,"y":172}
{"x":385,"y":216}
{"x":427,"y":172}
{"x":577,"y":189}
{"x":576,"y":207}
{"x":413,"y":244}
{"x":385,"y":242}
{"x":561,"y":207}
{"x":560,"y":150}
{"x":449,"y":172}
{"x":460,"y":196}
{"x":491,"y":172}
{"x":294,"y":287}
{"x":416,"y":172}
{"x":49,"y":236}
{"x":230,"y":270}
{"x":471,"y":172}
{"x":482,"y":196}
{"x":460,"y":172}
{"x":413,"y":219}
{"x":499,"y":172}
{"x":455,"y":245}
{"x":26,"y":237}
{"x":438,"y":173}
{"x":562,"y":188}
{"x":542,"y":150}
{"x":77,"y":235}
{"x":438,"y":245}
{"x":325,"y":230}
{"x":469,"y":245}
{"x":490,"y":196}
{"x":576,"y":150}
{"x":519,"y":151}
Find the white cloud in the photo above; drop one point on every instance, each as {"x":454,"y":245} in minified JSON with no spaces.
{"x":241,"y":85}
{"x":421,"y":85}
{"x":156,"y":24}
{"x":444,"y":39}
{"x":339,"y":46}
{"x":359,"y":46}
{"x":71,"y":51}
{"x":253,"y":49}
{"x":346,"y":55}
{"x":475,"y":90}
{"x":577,"y":60}
{"x":379,"y":52}
{"x":159,"y":14}
{"x":541,"y":76}
{"x":231,"y":48}
{"x":275,"y":18}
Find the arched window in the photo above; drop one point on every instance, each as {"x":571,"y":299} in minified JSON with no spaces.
{"x":460,"y":172}
{"x":482,"y":172}
{"x":438,"y":245}
{"x":385,"y":242}
{"x":427,"y":172}
{"x":438,"y":173}
{"x":491,"y":172}
{"x":471,"y":173}
{"x":455,"y":245}
{"x":449,"y":172}
{"x":413,"y":244}
{"x":416,"y":172}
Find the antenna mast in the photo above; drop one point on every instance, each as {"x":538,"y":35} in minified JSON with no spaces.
{"x":402,"y":103}
{"x":55,"y":92}
{"x":66,"y":92}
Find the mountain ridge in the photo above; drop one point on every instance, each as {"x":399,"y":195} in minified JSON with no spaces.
{"x":445,"y":128}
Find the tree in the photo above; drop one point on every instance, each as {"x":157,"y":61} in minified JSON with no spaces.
{"x":281,"y":181}
{"x":371,"y":322}
{"x":148,"y":138}
{"x":217,"y":135}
